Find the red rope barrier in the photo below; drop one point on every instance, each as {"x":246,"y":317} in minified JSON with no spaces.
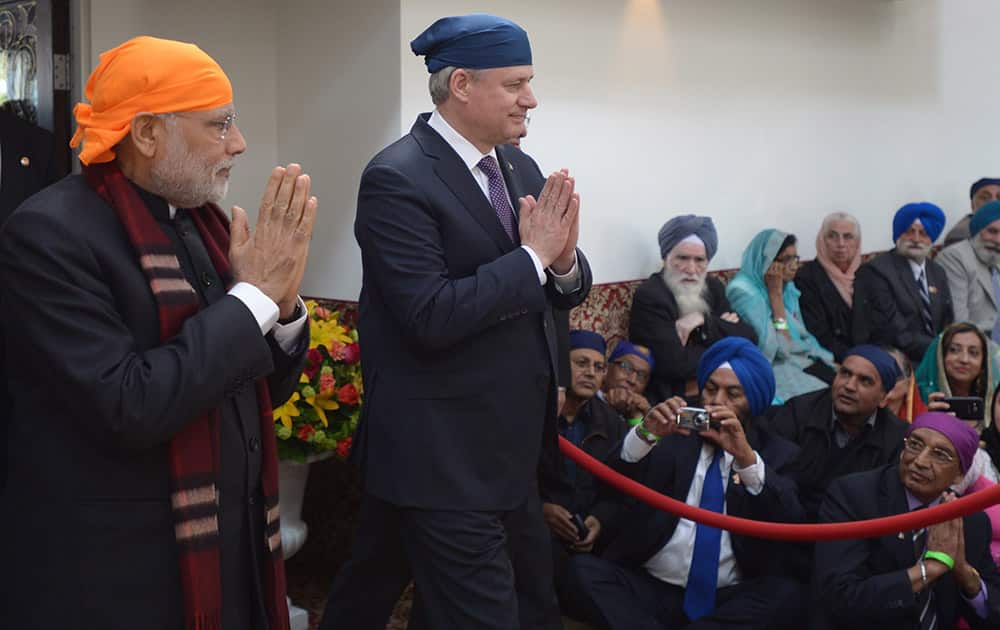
{"x":784,"y":531}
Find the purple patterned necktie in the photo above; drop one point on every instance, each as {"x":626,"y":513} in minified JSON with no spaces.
{"x":498,"y":194}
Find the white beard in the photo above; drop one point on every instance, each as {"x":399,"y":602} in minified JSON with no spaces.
{"x":986,"y":255}
{"x":690,"y":298}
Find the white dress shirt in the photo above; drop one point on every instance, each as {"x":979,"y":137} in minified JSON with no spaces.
{"x":917,"y":271}
{"x":672,"y":563}
{"x":470,"y":155}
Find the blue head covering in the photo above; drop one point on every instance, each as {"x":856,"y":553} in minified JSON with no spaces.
{"x":586,"y":339}
{"x":752,"y":369}
{"x":929,"y":215}
{"x":627,"y":347}
{"x":473,"y":41}
{"x":677,"y":229}
{"x":986,"y":181}
{"x":887,"y":368}
{"x":987,"y":213}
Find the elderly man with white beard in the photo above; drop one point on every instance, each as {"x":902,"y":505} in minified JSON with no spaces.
{"x":971,"y":268}
{"x":680,"y":311}
{"x":901,"y":297}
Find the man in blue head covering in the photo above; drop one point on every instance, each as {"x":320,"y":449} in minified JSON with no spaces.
{"x":660,"y":571}
{"x":901,"y":297}
{"x":590,"y":424}
{"x":971,"y":268}
{"x":842,"y":429}
{"x":629,"y":367}
{"x":981,"y":192}
{"x":680,"y":311}
{"x":466,"y":249}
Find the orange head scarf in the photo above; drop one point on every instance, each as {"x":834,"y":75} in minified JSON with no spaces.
{"x":145,"y":74}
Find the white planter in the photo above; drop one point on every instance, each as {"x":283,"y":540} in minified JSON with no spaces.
{"x":292,"y":478}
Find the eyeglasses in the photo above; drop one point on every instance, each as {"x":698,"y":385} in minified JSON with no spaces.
{"x":626,"y":367}
{"x":915,"y":446}
{"x":786,"y":260}
{"x":221,"y":125}
{"x":585,"y":364}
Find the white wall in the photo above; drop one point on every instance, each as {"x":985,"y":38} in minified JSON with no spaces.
{"x":758,"y":112}
{"x":338,"y":86}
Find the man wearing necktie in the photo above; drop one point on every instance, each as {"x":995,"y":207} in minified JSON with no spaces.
{"x":971,"y":267}
{"x":466,"y":249}
{"x":660,"y":571}
{"x":911,"y":580}
{"x":901,"y":297}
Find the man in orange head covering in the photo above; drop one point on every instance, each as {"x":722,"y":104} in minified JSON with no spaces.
{"x":150,"y":349}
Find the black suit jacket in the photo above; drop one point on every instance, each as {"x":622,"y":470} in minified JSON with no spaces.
{"x":824,"y":312}
{"x":863,"y":583}
{"x":887,"y":304}
{"x":652,"y":318}
{"x":640,"y":531}
{"x":26,"y":164}
{"x":458,"y":340}
{"x":97,"y":397}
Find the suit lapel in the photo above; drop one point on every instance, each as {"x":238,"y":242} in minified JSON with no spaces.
{"x":892,"y":500}
{"x":456,"y":176}
{"x":985,"y":279}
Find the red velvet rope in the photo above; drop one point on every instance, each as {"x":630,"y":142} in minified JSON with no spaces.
{"x":872,"y":528}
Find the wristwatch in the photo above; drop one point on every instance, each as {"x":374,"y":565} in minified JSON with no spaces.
{"x":297,"y":313}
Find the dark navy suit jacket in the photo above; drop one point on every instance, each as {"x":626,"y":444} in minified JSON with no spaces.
{"x":457,"y":337}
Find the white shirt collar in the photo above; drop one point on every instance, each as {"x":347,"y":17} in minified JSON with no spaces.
{"x":915,"y":268}
{"x":465,"y":149}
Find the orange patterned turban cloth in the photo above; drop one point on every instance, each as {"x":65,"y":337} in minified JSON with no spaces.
{"x":145,"y":74}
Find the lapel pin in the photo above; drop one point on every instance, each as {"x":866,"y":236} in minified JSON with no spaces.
{"x":736,"y":479}
{"x":901,"y":536}
{"x":510,"y":166}
{"x":932,"y":290}
{"x":25,"y":160}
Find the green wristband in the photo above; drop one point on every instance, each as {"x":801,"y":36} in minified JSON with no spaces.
{"x":941,"y":557}
{"x":647,"y":435}
{"x":634,"y":421}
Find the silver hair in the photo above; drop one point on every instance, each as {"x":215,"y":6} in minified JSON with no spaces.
{"x":841,"y":216}
{"x":439,"y":83}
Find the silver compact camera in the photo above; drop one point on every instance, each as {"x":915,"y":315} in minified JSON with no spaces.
{"x":694,"y":418}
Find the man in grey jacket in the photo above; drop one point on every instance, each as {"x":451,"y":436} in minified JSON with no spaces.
{"x":971,"y":268}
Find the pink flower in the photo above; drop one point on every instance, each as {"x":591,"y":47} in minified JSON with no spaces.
{"x":352,"y":353}
{"x":326,"y":384}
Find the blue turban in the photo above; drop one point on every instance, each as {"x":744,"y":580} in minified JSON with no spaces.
{"x":627,"y":347}
{"x":677,"y":229}
{"x":473,"y":41}
{"x":586,"y":339}
{"x":887,"y":368}
{"x":986,"y":181}
{"x":987,"y":213}
{"x":929,"y":215}
{"x":752,"y":369}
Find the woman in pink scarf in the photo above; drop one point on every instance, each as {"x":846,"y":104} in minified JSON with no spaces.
{"x":827,"y":283}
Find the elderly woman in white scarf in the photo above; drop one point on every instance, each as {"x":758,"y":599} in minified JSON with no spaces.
{"x":827,"y":283}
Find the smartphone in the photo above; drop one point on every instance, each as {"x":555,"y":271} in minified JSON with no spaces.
{"x":581,"y":528}
{"x":966,"y":407}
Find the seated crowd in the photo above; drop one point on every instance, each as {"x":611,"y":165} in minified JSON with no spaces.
{"x":816,"y":414}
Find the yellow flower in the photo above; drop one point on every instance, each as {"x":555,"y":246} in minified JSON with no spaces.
{"x":322,"y":405}
{"x":287,"y":411}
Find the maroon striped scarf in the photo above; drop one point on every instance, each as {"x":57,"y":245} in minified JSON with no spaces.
{"x":194,"y":451}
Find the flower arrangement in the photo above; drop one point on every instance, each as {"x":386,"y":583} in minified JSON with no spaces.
{"x":322,"y":413}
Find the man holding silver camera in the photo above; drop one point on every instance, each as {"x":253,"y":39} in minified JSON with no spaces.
{"x":663,"y":571}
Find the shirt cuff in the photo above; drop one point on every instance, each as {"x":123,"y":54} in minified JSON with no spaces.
{"x":263,"y":308}
{"x":539,"y":269}
{"x":978,"y":602}
{"x":287,"y":335}
{"x":752,"y":476}
{"x":634,"y":447}
{"x":570,"y":281}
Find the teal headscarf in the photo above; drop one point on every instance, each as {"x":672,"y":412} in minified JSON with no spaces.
{"x":931,"y":377}
{"x":747,"y":292}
